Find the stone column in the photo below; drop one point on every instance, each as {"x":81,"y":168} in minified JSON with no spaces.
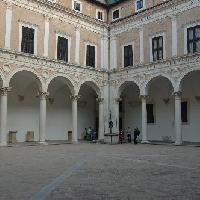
{"x":177,"y":96}
{"x":113,"y":52}
{"x":144,"y":119}
{"x":8,"y":25}
{"x":141,"y":34}
{"x":77,"y":48}
{"x":116,"y":116}
{"x":174,"y":36}
{"x":101,"y":118}
{"x":42,"y":123}
{"x":74,"y":118}
{"x":3,"y":120}
{"x":46,"y":36}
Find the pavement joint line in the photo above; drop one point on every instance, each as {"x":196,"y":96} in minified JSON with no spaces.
{"x":157,"y":163}
{"x":47,"y":189}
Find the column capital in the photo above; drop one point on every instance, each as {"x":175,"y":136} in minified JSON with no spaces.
{"x":173,"y":17}
{"x":75,"y":97}
{"x":47,"y":17}
{"x":43,"y":95}
{"x":144,"y":97}
{"x":100,"y":100}
{"x":4,"y":90}
{"x":9,"y":5}
{"x":141,"y":28}
{"x":77,"y":27}
{"x":118,"y":99}
{"x":177,"y":94}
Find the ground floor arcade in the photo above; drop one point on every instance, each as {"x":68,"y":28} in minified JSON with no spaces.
{"x":55,"y":114}
{"x":162,"y":114}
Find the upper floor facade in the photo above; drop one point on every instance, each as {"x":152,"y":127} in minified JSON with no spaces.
{"x":71,"y":32}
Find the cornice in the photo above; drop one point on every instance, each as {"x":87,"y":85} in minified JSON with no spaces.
{"x":169,"y":9}
{"x":64,"y":14}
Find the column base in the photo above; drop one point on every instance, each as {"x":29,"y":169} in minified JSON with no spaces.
{"x":145,"y":142}
{"x":43,"y":142}
{"x":3,"y":144}
{"x":75,"y":142}
{"x":178,"y":143}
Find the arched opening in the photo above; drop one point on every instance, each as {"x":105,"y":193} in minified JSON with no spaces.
{"x":190,"y":107}
{"x":59,"y":109}
{"x":88,"y":109}
{"x":160,"y":110}
{"x":23,"y":106}
{"x":129,"y":107}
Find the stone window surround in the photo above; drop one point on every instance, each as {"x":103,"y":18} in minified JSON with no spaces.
{"x":192,"y":24}
{"x":126,"y":44}
{"x":73,"y":1}
{"x":144,"y":6}
{"x":66,"y":36}
{"x":85,"y":54}
{"x":164,"y":46}
{"x":28,"y":25}
{"x":119,"y":8}
{"x":99,"y":10}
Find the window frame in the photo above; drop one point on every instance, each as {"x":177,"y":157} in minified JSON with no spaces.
{"x":64,"y":35}
{"x":164,"y":46}
{"x":28,"y":25}
{"x":119,"y":13}
{"x":194,"y":40}
{"x":124,"y":45}
{"x":188,"y":111}
{"x":144,"y":6}
{"x":154,"y":113}
{"x":73,"y":1}
{"x":99,"y":10}
{"x":85,"y":57}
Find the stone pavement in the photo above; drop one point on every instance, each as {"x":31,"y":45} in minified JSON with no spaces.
{"x":96,"y":171}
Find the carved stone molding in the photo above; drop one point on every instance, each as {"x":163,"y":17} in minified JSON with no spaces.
{"x":75,"y":97}
{"x":117,"y":100}
{"x":43,"y":95}
{"x":4,"y":91}
{"x":100,"y":100}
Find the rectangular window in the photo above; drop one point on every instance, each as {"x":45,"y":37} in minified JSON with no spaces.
{"x":100,"y":15}
{"x":77,"y":6}
{"x":128,"y":56}
{"x":140,"y":4}
{"x":27,"y":43}
{"x":150,"y":114}
{"x":115,"y":14}
{"x":193,"y":39}
{"x":90,"y":56}
{"x":157,"y":48}
{"x":62,"y":49}
{"x":184,"y":112}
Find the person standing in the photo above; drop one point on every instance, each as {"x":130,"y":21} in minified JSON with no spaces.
{"x":136,"y":134}
{"x":129,"y":132}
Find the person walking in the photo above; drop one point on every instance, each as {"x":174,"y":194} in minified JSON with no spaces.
{"x":136,"y":134}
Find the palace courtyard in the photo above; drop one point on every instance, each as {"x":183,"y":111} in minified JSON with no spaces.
{"x":100,"y":171}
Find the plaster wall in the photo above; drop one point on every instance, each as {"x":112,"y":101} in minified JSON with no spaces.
{"x":2,"y":23}
{"x":31,"y":18}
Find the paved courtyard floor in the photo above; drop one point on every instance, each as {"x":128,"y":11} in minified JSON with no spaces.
{"x":98,"y":171}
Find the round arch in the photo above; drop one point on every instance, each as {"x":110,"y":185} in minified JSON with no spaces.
{"x":124,"y":85}
{"x":153,"y":78}
{"x":30,"y":71}
{"x":185,"y":75}
{"x":66,"y":80}
{"x":92,"y":85}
